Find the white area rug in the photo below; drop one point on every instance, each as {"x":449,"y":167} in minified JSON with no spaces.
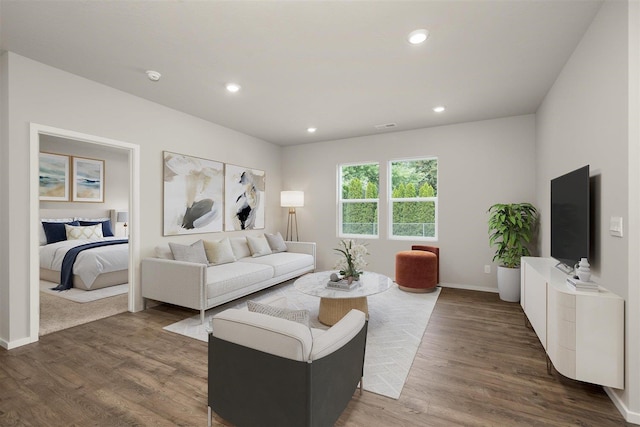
{"x":82,"y":296}
{"x":397,"y":321}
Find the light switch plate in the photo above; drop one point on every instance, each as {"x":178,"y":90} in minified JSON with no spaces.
{"x":615,"y":226}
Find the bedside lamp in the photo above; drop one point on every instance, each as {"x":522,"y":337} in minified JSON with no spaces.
{"x":292,"y":200}
{"x":123,"y":216}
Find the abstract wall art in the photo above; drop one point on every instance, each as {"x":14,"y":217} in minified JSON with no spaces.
{"x":193,"y":194}
{"x":54,"y":177}
{"x":88,"y":180}
{"x":244,"y":198}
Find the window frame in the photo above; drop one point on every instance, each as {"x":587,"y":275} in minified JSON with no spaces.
{"x":340,"y":202}
{"x":391,"y":200}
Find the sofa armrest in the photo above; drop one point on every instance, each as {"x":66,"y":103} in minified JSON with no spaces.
{"x":175,"y":282}
{"x":303,"y":248}
{"x":338,"y":335}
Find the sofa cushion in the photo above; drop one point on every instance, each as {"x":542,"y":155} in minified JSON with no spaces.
{"x":258,"y":246}
{"x":276,"y":242}
{"x":189,"y":253}
{"x":283,"y":262}
{"x":240,"y":247}
{"x":219,"y":252}
{"x":300,"y":316}
{"x":225,"y":278}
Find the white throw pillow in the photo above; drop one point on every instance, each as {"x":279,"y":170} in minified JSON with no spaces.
{"x":163,"y":252}
{"x":276,"y":242}
{"x":219,"y":252}
{"x":258,"y":246}
{"x":300,"y":316}
{"x":75,"y":232}
{"x":189,"y":253}
{"x":240,"y":247}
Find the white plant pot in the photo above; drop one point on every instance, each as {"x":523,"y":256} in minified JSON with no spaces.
{"x":509,"y":284}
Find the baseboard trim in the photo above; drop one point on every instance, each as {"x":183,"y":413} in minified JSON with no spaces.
{"x":629,"y":416}
{"x":468,"y":287}
{"x":9,"y":345}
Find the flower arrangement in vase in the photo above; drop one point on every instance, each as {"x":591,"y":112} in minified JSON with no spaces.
{"x":351,"y":265}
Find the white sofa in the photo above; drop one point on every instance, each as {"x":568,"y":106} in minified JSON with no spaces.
{"x":201,"y":286}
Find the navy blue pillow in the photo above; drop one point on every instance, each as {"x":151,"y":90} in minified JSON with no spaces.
{"x":55,"y":231}
{"x":107,"y":231}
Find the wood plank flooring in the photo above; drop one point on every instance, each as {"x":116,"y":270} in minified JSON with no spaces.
{"x":478,"y":365}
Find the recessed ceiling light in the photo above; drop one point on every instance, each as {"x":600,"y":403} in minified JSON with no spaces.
{"x":418,"y":36}
{"x":233,"y":87}
{"x":439,"y":109}
{"x":312,"y":130}
{"x":154,"y":76}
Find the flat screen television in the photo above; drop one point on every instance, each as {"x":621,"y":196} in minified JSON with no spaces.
{"x":570,"y":218}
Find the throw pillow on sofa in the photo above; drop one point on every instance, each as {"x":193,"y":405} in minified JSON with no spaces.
{"x":189,"y":253}
{"x":258,"y":246}
{"x":219,"y":252}
{"x":300,"y":316}
{"x":276,"y":242}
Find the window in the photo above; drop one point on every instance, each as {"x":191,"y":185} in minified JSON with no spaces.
{"x":358,"y":201}
{"x":413,"y":205}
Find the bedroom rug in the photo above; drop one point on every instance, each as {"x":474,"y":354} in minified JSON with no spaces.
{"x":397,"y":321}
{"x":82,"y":296}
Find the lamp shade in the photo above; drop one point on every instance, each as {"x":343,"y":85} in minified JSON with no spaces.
{"x":122,"y":217}
{"x":291,"y":199}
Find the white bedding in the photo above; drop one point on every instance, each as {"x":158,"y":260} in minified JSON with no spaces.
{"x":91,"y":262}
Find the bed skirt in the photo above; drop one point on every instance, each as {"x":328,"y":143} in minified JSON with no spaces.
{"x":104,"y":280}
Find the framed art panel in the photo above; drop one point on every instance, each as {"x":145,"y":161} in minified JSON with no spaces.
{"x":193,"y":200}
{"x":54,"y":177}
{"x":88,"y":180}
{"x":244,"y":198}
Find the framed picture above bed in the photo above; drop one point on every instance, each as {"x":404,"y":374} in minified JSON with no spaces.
{"x":193,"y":200}
{"x":244,"y":198}
{"x":54,"y":177}
{"x":88,"y":180}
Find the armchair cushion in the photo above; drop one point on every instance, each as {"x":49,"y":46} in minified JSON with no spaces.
{"x":338,"y":335}
{"x":300,"y":316}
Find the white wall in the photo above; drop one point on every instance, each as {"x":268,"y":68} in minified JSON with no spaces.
{"x":116,"y":173}
{"x":584,"y":119}
{"x":48,"y":96}
{"x":480,"y":163}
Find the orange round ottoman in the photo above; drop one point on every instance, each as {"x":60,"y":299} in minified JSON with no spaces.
{"x":417,"y":270}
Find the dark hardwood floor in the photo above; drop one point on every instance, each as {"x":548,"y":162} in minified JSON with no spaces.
{"x":478,"y":365}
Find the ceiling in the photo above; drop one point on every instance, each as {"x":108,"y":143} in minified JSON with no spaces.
{"x":340,"y":66}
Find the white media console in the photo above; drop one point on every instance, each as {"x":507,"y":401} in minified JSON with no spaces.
{"x":581,"y":331}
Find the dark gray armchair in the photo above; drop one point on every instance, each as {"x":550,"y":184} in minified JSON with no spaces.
{"x":267,"y":371}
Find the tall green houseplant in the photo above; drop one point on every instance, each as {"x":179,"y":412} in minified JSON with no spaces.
{"x":511,"y":228}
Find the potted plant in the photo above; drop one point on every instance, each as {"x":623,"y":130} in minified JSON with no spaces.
{"x":511,"y":228}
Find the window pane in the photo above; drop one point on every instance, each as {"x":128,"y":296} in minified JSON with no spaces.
{"x":416,"y":180}
{"x":360,"y":181}
{"x":417,"y":219}
{"x":360,"y":218}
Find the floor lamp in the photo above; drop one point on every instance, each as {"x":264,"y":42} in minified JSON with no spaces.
{"x":292,"y":200}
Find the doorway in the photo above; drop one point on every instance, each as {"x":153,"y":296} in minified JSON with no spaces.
{"x":133,"y":153}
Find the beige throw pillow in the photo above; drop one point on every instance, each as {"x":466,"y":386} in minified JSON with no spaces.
{"x":258,"y":246}
{"x":76,"y":232}
{"x":276,"y":242}
{"x":219,"y":252}
{"x":300,"y":316}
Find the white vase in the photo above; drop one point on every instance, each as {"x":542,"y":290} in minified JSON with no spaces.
{"x":583,"y":270}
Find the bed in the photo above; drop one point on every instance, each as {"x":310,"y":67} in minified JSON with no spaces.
{"x":94,"y":267}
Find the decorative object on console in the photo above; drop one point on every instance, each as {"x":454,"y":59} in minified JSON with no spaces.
{"x":292,"y":200}
{"x":123,"y":216}
{"x":54,"y":177}
{"x":193,"y":201}
{"x":88,"y":180}
{"x":511,"y":229}
{"x":244,"y":192}
{"x":352,"y":264}
{"x":583,"y":270}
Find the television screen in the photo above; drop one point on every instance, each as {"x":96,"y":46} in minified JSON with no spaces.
{"x":570,"y":216}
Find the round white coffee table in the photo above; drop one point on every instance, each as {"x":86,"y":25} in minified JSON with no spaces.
{"x":336,"y":303}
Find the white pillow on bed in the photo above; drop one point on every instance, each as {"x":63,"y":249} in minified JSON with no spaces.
{"x":43,"y":237}
{"x":75,"y":232}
